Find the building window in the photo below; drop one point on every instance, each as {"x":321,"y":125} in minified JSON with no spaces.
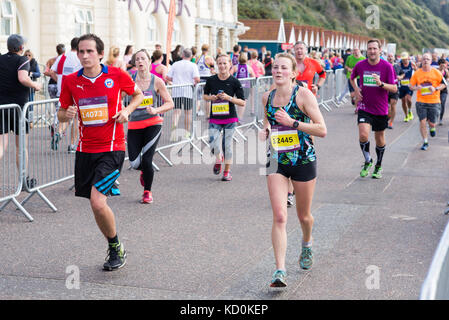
{"x":226,"y":40}
{"x":83,"y":22}
{"x":176,"y":38}
{"x":151,"y":29}
{"x":205,"y":35}
{"x":7,"y":18}
{"x":219,"y":5}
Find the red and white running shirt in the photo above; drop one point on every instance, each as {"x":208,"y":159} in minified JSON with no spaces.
{"x":98,"y":100}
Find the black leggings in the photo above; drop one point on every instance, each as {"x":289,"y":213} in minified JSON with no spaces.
{"x":141,"y":147}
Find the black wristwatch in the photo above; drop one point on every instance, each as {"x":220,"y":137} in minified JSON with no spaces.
{"x":295,"y":124}
{"x":382,"y":85}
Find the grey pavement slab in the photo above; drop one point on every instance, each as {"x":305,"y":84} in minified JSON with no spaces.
{"x":207,"y":239}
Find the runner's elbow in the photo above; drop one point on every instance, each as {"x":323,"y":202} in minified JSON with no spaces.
{"x":322,"y":132}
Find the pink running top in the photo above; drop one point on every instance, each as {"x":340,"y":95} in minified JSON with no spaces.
{"x":153,"y":71}
{"x":255,"y":66}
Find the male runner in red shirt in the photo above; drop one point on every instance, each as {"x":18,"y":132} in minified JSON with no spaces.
{"x":94,"y":93}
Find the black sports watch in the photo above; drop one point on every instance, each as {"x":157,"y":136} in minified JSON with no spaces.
{"x":296,"y":124}
{"x":382,"y":85}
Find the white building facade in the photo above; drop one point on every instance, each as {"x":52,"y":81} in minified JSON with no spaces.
{"x":141,"y":23}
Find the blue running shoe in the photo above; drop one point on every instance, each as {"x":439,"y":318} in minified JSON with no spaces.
{"x":306,"y":258}
{"x":425,"y":146}
{"x":278,"y":280}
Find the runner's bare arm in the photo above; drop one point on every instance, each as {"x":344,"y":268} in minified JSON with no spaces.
{"x":317,"y":126}
{"x":65,"y":115}
{"x":265,"y":132}
{"x":165,"y":96}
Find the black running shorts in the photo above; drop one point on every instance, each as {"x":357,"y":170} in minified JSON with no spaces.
{"x":378,"y":123}
{"x":97,"y":169}
{"x":303,"y":172}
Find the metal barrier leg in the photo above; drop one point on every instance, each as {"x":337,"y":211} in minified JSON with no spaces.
{"x":205,"y":142}
{"x":325,"y":106}
{"x":195,"y":147}
{"x":165,"y":158}
{"x":240,"y":134}
{"x":5,"y":204}
{"x":43,"y":197}
{"x":48,"y":202}
{"x":22,"y":209}
{"x":19,"y":207}
{"x":155,"y":166}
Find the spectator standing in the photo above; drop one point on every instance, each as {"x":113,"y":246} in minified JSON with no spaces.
{"x":256,"y":65}
{"x":113,"y":59}
{"x":268,"y":63}
{"x":183,"y":72}
{"x":34,"y":72}
{"x":128,"y":55}
{"x":53,"y":83}
{"x":15,"y":84}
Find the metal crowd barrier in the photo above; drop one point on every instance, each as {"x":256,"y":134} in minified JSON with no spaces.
{"x":202,"y":112}
{"x":179,"y":125}
{"x":263,"y":84}
{"x":247,"y":115}
{"x":334,"y":90}
{"x":436,"y":284}
{"x":12,"y":140}
{"x":341,"y":87}
{"x":51,"y":149}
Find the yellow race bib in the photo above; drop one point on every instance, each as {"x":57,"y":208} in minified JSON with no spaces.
{"x":147,"y":102}
{"x":284,"y":139}
{"x":425,"y":91}
{"x":220,"y":108}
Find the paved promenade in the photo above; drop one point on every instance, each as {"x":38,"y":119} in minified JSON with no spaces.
{"x":207,"y":239}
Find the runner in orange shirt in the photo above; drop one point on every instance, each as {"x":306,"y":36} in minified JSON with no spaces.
{"x":307,"y":68}
{"x":428,"y":82}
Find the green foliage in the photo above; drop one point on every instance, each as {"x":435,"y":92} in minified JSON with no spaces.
{"x":411,"y":24}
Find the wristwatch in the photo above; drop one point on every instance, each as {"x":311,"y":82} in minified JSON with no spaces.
{"x":382,"y":85}
{"x":296,"y":124}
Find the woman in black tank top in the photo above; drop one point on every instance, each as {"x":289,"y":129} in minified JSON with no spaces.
{"x":288,"y":129}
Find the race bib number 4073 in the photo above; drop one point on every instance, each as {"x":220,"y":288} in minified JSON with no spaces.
{"x":94,"y":111}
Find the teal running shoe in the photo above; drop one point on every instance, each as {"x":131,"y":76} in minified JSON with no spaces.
{"x":278,"y":280}
{"x":306,"y":258}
